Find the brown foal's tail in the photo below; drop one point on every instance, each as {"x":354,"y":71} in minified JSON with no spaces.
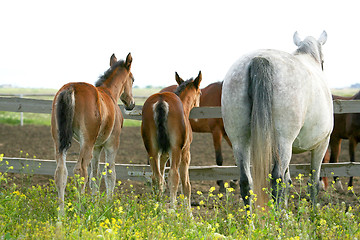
{"x":161,"y":111}
{"x":65,"y":103}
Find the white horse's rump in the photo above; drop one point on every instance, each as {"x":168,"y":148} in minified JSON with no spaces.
{"x":275,"y":103}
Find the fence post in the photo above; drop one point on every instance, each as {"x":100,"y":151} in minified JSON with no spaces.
{"x":21,"y":114}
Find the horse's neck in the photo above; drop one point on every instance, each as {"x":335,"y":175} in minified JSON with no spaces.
{"x":188,"y":104}
{"x":308,"y":61}
{"x":115,"y":87}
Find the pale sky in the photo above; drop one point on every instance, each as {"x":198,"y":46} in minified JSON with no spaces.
{"x":45,"y":44}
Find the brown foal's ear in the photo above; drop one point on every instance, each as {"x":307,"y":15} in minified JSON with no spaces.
{"x":178,"y":78}
{"x":113,"y":60}
{"x":198,"y":80}
{"x":128,"y":61}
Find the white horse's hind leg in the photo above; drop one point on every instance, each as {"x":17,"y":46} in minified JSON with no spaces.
{"x":95,"y":171}
{"x":288,"y":182}
{"x":281,"y":171}
{"x":317,"y":156}
{"x":242,"y":158}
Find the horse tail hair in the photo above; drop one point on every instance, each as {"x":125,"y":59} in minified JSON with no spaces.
{"x":161,"y":112}
{"x":262,"y":127}
{"x":65,"y":103}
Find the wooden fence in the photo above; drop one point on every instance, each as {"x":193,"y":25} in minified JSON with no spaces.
{"x":15,"y":104}
{"x":142,"y":172}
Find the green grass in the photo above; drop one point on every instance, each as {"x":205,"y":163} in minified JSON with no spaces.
{"x":13,"y":118}
{"x":31,"y":212}
{"x":345,"y":92}
{"x":27,"y":91}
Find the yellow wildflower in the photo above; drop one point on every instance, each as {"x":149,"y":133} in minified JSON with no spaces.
{"x":230,"y":189}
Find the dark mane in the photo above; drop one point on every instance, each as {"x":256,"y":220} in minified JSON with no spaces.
{"x":312,"y":47}
{"x":108,"y":73}
{"x":357,"y":96}
{"x":182,"y":86}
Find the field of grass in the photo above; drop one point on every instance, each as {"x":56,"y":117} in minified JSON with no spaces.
{"x":136,"y":91}
{"x":30,"y":211}
{"x":345,"y":92}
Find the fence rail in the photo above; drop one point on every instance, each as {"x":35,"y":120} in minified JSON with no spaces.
{"x":43,"y":95}
{"x":14,"y":104}
{"x":142,"y":172}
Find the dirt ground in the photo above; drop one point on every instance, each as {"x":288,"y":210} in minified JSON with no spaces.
{"x":29,"y":141}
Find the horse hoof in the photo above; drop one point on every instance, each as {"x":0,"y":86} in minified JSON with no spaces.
{"x":322,"y":186}
{"x":233,"y":184}
{"x":338,"y":186}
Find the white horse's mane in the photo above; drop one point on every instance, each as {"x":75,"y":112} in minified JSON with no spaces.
{"x":311,"y":47}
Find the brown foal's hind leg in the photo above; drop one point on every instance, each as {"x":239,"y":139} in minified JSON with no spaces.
{"x":335,"y":146}
{"x":184,"y":174}
{"x":95,"y":171}
{"x":352,"y":148}
{"x":61,"y":175}
{"x":163,"y":160}
{"x":174,"y":174}
{"x":217,"y":137}
{"x":82,"y":164}
{"x":157,"y":178}
{"x":110,"y":178}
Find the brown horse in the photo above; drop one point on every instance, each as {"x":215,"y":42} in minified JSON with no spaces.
{"x":210,"y":97}
{"x":346,"y":126}
{"x":91,"y":115}
{"x":166,"y":132}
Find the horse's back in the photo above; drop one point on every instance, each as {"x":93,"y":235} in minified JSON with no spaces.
{"x":94,"y":111}
{"x":301,"y":98}
{"x":174,"y":117}
{"x":211,"y":95}
{"x":171,"y":88}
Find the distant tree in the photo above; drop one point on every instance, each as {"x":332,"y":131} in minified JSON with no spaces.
{"x":356,"y":85}
{"x":5,"y":86}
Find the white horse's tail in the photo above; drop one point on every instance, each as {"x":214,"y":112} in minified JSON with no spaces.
{"x":263,"y":142}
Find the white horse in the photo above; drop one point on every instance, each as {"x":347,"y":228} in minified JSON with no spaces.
{"x":275,"y":104}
